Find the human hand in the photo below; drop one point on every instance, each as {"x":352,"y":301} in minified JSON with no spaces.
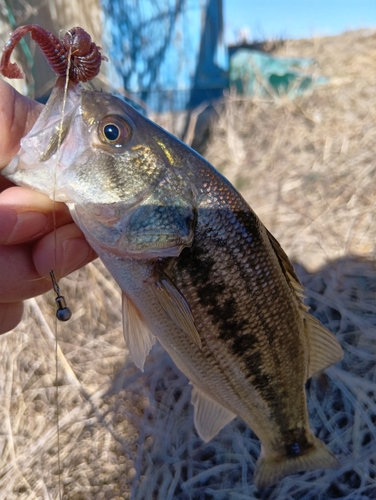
{"x":27,"y":236}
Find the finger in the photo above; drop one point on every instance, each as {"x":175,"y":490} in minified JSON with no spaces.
{"x":72,"y":251}
{"x":19,"y":279}
{"x":10,"y":316}
{"x":17,"y":116}
{"x":25,"y":268}
{"x":27,"y":215}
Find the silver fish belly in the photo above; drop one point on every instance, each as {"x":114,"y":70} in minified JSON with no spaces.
{"x":198,"y":271}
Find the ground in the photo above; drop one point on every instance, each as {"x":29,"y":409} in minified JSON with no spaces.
{"x":306,"y":166}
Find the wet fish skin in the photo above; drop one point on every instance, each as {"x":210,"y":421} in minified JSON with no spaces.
{"x":198,"y":271}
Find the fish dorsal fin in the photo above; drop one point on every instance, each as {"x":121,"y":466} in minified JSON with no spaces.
{"x":324,"y":349}
{"x":209,"y":416}
{"x":176,"y":307}
{"x":138,"y":336}
{"x":287,"y":267}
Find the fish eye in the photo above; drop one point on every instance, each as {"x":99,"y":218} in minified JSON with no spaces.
{"x":114,"y":130}
{"x":111,"y":132}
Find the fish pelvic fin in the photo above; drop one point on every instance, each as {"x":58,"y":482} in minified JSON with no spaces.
{"x":137,"y":335}
{"x":270,"y":470}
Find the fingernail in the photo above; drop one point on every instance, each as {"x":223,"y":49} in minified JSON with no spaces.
{"x":28,"y":225}
{"x":76,"y":254}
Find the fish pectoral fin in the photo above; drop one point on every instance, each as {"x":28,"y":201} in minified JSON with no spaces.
{"x":209,"y":416}
{"x":324,"y":348}
{"x":176,"y":307}
{"x":138,"y":337}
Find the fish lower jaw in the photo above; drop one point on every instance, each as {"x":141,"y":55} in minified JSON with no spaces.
{"x":40,"y":178}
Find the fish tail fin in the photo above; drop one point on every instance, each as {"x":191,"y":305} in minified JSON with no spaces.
{"x":270,"y":470}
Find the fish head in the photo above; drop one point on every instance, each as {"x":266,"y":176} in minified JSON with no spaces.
{"x":129,"y":184}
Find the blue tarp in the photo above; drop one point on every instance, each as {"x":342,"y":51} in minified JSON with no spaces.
{"x":170,"y":54}
{"x":255,"y":73}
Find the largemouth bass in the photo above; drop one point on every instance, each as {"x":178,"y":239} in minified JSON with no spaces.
{"x":197,"y":268}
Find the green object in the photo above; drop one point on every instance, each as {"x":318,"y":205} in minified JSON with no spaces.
{"x":255,"y":73}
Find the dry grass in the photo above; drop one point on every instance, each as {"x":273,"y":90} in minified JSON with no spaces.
{"x":306,"y":167}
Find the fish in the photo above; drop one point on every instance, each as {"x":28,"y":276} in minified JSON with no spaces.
{"x":198,"y":270}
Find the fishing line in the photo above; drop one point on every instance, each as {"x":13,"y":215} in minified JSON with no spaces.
{"x":63,"y":313}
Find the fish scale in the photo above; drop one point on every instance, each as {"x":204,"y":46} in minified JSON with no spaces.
{"x":198,"y":270}
{"x":219,"y":325}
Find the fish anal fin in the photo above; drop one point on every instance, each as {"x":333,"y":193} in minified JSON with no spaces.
{"x":324,"y":348}
{"x":209,"y":416}
{"x":137,"y":334}
{"x":270,"y":470}
{"x":176,"y":307}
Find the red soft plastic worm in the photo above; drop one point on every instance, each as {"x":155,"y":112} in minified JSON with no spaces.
{"x":86,"y":56}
